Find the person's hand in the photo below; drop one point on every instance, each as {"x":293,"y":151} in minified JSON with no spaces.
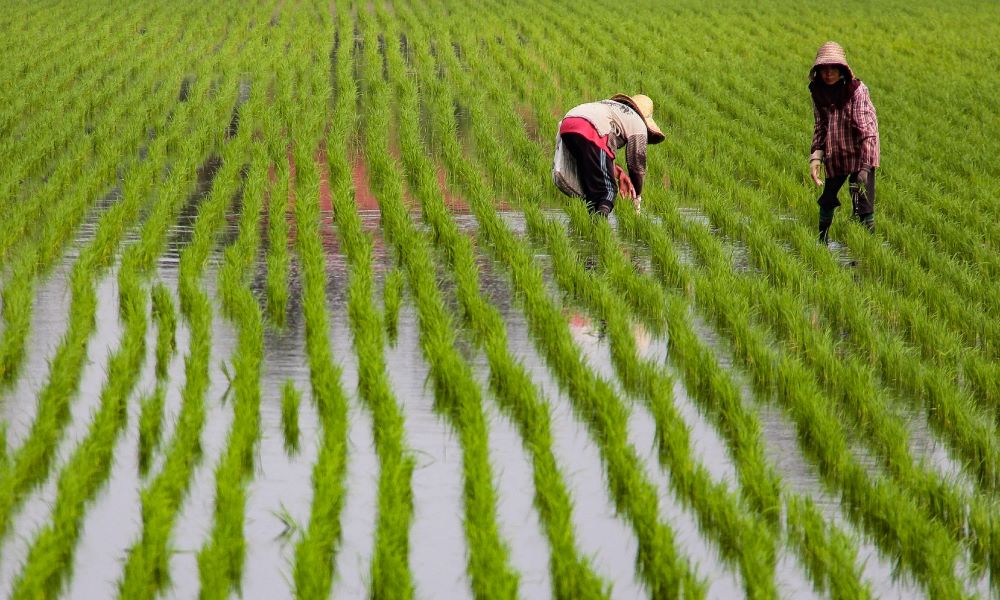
{"x":863,"y":173}
{"x":814,"y":170}
{"x":625,"y":187}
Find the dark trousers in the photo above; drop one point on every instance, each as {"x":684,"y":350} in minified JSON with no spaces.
{"x":595,"y":170}
{"x":862,"y":193}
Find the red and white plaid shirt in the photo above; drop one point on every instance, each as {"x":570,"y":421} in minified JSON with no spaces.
{"x":847,"y":136}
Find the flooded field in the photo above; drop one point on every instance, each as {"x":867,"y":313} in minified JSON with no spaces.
{"x":291,"y":308}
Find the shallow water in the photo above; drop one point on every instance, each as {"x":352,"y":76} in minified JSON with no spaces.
{"x":279,"y":498}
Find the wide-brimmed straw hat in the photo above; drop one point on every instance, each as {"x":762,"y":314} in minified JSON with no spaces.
{"x":831,"y":53}
{"x":644,"y":106}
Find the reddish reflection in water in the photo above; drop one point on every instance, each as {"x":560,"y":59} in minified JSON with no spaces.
{"x":364,"y":198}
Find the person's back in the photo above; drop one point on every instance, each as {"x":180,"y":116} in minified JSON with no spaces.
{"x":593,"y":132}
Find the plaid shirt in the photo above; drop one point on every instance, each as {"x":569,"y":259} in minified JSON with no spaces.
{"x":847,"y":136}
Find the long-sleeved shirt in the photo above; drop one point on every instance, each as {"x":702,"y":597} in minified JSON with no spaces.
{"x":847,"y":136}
{"x":617,"y":126}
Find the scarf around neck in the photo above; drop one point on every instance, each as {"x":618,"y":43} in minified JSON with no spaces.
{"x":838,"y":94}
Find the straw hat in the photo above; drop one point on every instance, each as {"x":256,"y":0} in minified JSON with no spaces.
{"x":831,"y":53}
{"x":644,"y":106}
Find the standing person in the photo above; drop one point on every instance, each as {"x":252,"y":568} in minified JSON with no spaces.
{"x":589,"y":136}
{"x":845,"y":137}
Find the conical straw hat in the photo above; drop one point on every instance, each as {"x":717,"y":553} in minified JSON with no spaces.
{"x":644,"y":106}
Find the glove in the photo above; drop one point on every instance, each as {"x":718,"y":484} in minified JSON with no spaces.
{"x":815,"y":162}
{"x":625,"y":187}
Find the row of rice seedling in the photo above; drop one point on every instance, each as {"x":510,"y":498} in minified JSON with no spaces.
{"x":278,"y":258}
{"x":390,"y":575}
{"x":30,"y":464}
{"x":312,"y":569}
{"x":518,"y":397}
{"x":31,"y":150}
{"x":36,"y":66}
{"x":40,"y":150}
{"x":969,"y":433}
{"x":593,"y":399}
{"x":164,"y":315}
{"x":457,"y":394}
{"x":67,"y":196}
{"x":51,"y":555}
{"x":741,"y":538}
{"x":220,"y":561}
{"x":146,"y":566}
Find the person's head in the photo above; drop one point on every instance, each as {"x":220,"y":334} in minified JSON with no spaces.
{"x":644,"y":106}
{"x":831,"y":65}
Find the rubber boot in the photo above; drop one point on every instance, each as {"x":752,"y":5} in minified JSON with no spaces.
{"x":824,"y":233}
{"x":868,"y":220}
{"x":825,"y":220}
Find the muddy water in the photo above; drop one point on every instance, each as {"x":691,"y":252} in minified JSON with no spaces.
{"x":280,"y":495}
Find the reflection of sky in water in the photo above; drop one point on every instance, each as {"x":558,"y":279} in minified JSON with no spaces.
{"x":282,"y":484}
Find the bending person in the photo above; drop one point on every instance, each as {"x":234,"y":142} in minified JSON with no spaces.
{"x":590,"y":134}
{"x":845,"y":137}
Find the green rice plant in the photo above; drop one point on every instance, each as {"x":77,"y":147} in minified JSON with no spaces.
{"x":315,"y":551}
{"x":51,"y":553}
{"x":290,"y":399}
{"x":165,"y":317}
{"x":390,"y":570}
{"x":150,"y":426}
{"x":392,"y":299}
{"x":220,"y":561}
{"x":146,"y":563}
{"x":277,"y":255}
{"x":30,"y":464}
{"x":647,"y":381}
{"x":812,"y":535}
{"x":73,"y":99}
{"x":65,"y":210}
{"x":572,"y":574}
{"x":456,"y":392}
{"x":657,"y":562}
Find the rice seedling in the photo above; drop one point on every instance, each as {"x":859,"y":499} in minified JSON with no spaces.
{"x":150,"y":426}
{"x":392,"y":300}
{"x":290,"y":400}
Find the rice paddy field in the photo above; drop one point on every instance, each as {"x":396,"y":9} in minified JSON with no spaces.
{"x":291,"y":308}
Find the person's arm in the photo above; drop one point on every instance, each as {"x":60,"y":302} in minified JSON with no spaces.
{"x":866,"y":123}
{"x":818,"y":144}
{"x":635,"y":157}
{"x":819,"y":131}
